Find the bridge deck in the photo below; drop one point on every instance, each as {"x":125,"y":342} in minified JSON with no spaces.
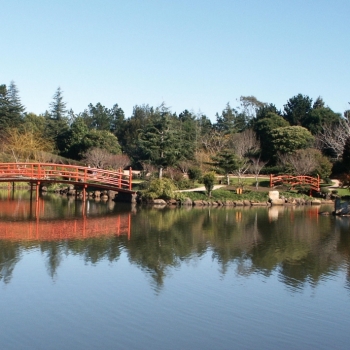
{"x":58,"y":173}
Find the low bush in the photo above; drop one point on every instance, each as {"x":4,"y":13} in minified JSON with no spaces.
{"x":184,"y":184}
{"x":209,"y":180}
{"x":195,"y":174}
{"x":160,"y":188}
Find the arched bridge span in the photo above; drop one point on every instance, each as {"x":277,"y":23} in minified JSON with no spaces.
{"x":84,"y":177}
{"x":312,"y":182}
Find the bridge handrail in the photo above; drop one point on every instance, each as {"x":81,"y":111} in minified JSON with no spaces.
{"x":294,"y":180}
{"x":52,"y":171}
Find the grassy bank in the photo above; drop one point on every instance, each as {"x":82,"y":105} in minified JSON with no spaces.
{"x":229,"y":193}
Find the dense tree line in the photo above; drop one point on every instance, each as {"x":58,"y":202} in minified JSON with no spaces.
{"x":243,"y":139}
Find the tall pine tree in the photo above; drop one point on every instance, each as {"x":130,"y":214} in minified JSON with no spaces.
{"x":11,"y":108}
{"x":57,"y":122}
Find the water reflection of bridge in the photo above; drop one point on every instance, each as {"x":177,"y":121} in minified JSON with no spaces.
{"x":21,"y":220}
{"x":74,"y":228}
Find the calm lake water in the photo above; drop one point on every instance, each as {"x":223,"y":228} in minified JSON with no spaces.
{"x":112,"y":276}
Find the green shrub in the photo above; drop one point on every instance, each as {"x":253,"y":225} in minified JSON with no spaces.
{"x":160,"y":188}
{"x":195,"y":173}
{"x":184,"y":184}
{"x":272,"y":170}
{"x":324,"y":190}
{"x":209,"y":180}
{"x":328,"y":181}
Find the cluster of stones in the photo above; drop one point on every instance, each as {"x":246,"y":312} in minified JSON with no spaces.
{"x":202,"y":203}
{"x":103,"y":195}
{"x":274,"y":199}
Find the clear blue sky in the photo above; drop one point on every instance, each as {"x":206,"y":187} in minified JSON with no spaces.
{"x":191,"y":54}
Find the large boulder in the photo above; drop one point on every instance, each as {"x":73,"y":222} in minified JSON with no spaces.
{"x":341,"y":208}
{"x":158,"y":201}
{"x":278,"y":201}
{"x":258,"y":204}
{"x":274,"y":195}
{"x":187,"y":201}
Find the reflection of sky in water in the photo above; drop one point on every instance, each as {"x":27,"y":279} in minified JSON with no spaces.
{"x":111,"y":305}
{"x":182,"y":279}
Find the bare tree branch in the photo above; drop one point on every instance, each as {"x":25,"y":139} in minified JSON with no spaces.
{"x":334,"y":137}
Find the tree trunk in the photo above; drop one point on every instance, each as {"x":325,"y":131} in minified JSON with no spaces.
{"x":160,"y":174}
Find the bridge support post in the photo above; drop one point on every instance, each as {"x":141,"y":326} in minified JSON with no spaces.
{"x":37,"y":191}
{"x":84,"y":193}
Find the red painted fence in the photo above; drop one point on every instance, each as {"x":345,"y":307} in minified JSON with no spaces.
{"x":313,"y":182}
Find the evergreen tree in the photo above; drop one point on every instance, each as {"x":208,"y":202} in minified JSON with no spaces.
{"x":4,"y":107}
{"x":16,"y":107}
{"x":130,"y":129}
{"x":297,"y":109}
{"x":98,"y":117}
{"x":264,"y":128}
{"x":227,"y":121}
{"x":57,"y":122}
{"x":265,"y":110}
{"x":58,"y":110}
{"x":118,"y":120}
{"x":159,"y":141}
{"x":187,"y":127}
{"x":11,"y":109}
{"x":226,"y":162}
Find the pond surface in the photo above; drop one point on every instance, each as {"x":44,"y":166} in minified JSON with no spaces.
{"x":111,"y":276}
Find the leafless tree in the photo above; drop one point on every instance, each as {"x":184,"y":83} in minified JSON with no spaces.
{"x":184,"y":165}
{"x":302,"y":161}
{"x":245,"y":144}
{"x":214,"y":142}
{"x":97,"y":157}
{"x":100,"y":158}
{"x":256,"y":166}
{"x":148,"y":169}
{"x":174,"y":173}
{"x":334,"y":137}
{"x":118,"y":161}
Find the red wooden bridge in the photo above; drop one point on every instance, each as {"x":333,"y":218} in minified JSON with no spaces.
{"x":312,"y":182}
{"x":80,"y":176}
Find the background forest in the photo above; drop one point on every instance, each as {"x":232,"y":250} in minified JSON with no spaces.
{"x":305,"y":138}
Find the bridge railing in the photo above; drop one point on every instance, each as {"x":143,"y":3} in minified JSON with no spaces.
{"x":313,"y":182}
{"x":69,"y":173}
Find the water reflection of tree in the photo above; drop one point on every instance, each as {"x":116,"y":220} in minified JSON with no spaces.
{"x":93,"y":250}
{"x":299,"y":245}
{"x":53,"y":251}
{"x":343,"y":227}
{"x":161,"y":240}
{"x":301,"y":252}
{"x":9,"y":257}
